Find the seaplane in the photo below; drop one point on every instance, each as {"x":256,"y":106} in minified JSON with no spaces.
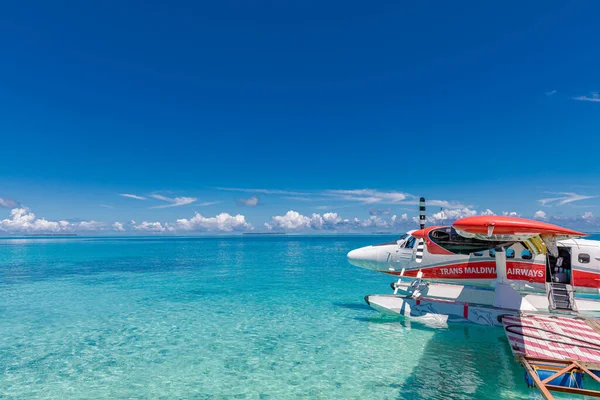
{"x":482,"y":268}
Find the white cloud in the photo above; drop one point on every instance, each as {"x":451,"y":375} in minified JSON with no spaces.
{"x":586,"y":222}
{"x":375,"y":211}
{"x":403,"y":217}
{"x":327,"y":221}
{"x":360,"y":195}
{"x":8,"y":203}
{"x":366,"y":196}
{"x":249,"y":202}
{"x":595,"y":97}
{"x":451,"y":215}
{"x":564,"y":198}
{"x":88,"y":225}
{"x":373,"y":222}
{"x":223,"y":222}
{"x":106,"y":206}
{"x":588,"y":217}
{"x":550,"y":92}
{"x":208,"y":203}
{"x":132,"y":196}
{"x":447,"y":215}
{"x":377,"y":222}
{"x":294,"y":221}
{"x":22,"y":220}
{"x":332,"y":219}
{"x":153,"y":227}
{"x":373,"y":196}
{"x":316,"y":222}
{"x":539,"y":215}
{"x":263,"y":191}
{"x":305,"y":198}
{"x":504,"y":213}
{"x":363,"y":196}
{"x":369,"y":196}
{"x":175,"y":201}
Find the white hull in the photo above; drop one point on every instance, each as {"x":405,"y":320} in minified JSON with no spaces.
{"x":441,"y":303}
{"x":435,"y":311}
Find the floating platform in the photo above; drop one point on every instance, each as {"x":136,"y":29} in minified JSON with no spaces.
{"x":557,"y":352}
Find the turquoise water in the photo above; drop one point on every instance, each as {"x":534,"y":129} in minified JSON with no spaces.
{"x":218,"y":318}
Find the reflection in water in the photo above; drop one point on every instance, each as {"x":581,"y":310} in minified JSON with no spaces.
{"x":354,"y":306}
{"x":463,"y":360}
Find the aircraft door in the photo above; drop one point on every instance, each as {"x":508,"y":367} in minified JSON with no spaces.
{"x":408,"y":250}
{"x":558,"y":269}
{"x":404,"y":253}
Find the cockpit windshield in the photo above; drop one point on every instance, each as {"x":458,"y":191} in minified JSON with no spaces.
{"x":410,"y":242}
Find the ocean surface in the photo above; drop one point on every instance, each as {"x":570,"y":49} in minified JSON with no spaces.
{"x":247,"y":317}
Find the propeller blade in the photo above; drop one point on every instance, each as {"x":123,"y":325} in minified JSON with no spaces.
{"x":421,"y":243}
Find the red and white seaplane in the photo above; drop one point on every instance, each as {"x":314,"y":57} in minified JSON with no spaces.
{"x":484,"y":267}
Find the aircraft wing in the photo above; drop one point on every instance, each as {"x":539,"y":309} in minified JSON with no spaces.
{"x":511,"y":229}
{"x":471,"y":234}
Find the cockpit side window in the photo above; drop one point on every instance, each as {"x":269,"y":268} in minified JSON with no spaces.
{"x":583,"y":258}
{"x":410,"y":242}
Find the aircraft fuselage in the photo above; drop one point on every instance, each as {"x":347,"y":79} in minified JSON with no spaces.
{"x":579,"y":264}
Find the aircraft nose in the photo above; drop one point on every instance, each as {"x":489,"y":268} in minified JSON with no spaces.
{"x":355,"y":255}
{"x":365,"y":257}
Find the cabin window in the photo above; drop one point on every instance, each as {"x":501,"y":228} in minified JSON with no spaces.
{"x":510,"y":253}
{"x":478,"y":253}
{"x":526,"y":254}
{"x":583,"y":258}
{"x":492,"y":253}
{"x":410,"y":243}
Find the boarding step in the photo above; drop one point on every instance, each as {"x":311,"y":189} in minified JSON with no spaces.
{"x":561,"y":296}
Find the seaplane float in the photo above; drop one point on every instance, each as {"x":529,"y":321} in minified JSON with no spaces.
{"x":483,"y":268}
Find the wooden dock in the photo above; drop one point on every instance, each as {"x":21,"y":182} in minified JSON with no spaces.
{"x":556,"y":349}
{"x":594,"y":324}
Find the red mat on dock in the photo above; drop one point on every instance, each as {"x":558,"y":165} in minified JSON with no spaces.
{"x":552,"y":338}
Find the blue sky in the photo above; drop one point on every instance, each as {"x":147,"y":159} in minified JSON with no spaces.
{"x":483,"y":106}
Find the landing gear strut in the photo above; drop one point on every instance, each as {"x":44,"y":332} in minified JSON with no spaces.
{"x":414,"y":289}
